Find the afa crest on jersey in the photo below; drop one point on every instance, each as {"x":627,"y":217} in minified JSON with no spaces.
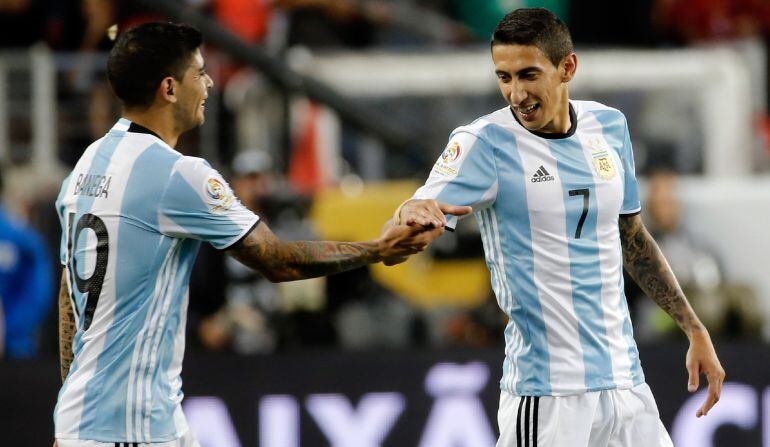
{"x":603,"y":162}
{"x":604,"y":165}
{"x":219,"y":195}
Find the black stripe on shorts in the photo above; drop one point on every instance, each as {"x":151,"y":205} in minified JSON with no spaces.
{"x":527,"y":419}
{"x":534,"y":421}
{"x":518,"y":422}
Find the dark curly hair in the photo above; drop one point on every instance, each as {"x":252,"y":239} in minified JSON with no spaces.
{"x":535,"y":26}
{"x":147,"y":53}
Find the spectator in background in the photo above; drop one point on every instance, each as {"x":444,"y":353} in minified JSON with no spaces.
{"x":728,"y":308}
{"x":243,"y":321}
{"x":691,"y":262}
{"x":26,"y":288}
{"x":257,"y":316}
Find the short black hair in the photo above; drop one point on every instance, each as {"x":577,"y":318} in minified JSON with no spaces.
{"x":147,"y":53}
{"x":535,"y":26}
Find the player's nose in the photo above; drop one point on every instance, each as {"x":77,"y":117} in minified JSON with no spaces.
{"x":514,"y":94}
{"x":517,"y":95}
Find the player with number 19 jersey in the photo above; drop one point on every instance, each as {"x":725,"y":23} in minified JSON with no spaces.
{"x":547,"y":206}
{"x":133,"y":213}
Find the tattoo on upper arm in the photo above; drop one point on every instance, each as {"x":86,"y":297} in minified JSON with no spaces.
{"x":646,"y":264}
{"x":67,"y":327}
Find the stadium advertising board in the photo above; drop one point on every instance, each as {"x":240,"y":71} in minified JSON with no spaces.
{"x":412,"y":398}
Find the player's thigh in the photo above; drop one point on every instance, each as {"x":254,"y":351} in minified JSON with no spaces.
{"x":640,"y":424}
{"x":507,"y":418}
{"x":546,"y":421}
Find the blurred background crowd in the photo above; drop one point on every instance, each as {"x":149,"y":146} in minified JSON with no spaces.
{"x":335,"y":115}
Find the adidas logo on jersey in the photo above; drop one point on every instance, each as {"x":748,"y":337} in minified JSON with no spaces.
{"x":542,"y":176}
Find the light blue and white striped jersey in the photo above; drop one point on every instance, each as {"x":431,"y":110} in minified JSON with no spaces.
{"x":547,"y":207}
{"x":133,"y":214}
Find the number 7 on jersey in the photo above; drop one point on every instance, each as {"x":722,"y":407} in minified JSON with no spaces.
{"x":581,"y":192}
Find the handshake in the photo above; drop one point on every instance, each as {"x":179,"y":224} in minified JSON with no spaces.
{"x":415,"y":224}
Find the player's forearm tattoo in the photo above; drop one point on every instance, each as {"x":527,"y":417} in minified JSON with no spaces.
{"x":646,"y":264}
{"x":287,"y":261}
{"x":67,"y":327}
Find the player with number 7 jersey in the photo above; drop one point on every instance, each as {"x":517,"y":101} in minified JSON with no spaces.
{"x":552,"y":186}
{"x":547,"y":206}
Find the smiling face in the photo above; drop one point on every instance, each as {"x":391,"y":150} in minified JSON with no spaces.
{"x":192,"y":92}
{"x":534,"y":87}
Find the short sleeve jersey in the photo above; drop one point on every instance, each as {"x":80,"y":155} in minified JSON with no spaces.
{"x":547,"y":207}
{"x":133,"y":214}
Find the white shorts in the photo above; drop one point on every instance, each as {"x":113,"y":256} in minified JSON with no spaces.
{"x":610,"y":418}
{"x":187,"y":440}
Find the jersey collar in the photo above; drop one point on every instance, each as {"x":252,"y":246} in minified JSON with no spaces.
{"x":137,"y":128}
{"x":551,"y":135}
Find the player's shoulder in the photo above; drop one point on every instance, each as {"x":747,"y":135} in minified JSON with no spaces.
{"x":192,"y":166}
{"x":195,"y":173}
{"x":603,"y":112}
{"x":501,"y":117}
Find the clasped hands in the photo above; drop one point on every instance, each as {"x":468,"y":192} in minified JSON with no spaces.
{"x":415,"y":224}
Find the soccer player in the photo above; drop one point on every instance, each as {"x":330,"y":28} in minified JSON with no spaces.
{"x":552,"y":186}
{"x":133,"y":213}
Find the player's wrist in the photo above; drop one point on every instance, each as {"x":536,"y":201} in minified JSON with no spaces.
{"x":397,"y":213}
{"x":697,"y":333}
{"x":378,"y":250}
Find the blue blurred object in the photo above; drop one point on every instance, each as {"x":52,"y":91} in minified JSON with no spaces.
{"x":25,"y":286}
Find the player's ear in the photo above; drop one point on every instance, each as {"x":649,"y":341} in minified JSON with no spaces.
{"x":167,"y":89}
{"x":568,"y":67}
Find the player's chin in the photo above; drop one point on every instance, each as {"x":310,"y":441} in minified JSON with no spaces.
{"x":193,"y":123}
{"x":533,"y":125}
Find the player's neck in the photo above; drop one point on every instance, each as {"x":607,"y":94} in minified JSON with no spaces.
{"x":159,"y":121}
{"x":562,"y":122}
